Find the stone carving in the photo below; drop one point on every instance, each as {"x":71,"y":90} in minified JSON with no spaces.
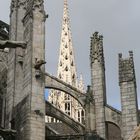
{"x":96,"y":49}
{"x":89,"y":96}
{"x":126,"y":68}
{"x":13,"y":5}
{"x":38,"y":4}
{"x":39,"y":113}
{"x":37,"y":66}
{"x":22,"y":3}
{"x":11,"y":44}
{"x":39,"y":63}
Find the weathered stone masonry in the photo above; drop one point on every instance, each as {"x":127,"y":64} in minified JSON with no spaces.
{"x":22,"y":103}
{"x":98,"y":82}
{"x":127,"y":82}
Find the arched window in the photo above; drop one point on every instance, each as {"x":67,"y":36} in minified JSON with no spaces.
{"x":79,"y":116}
{"x":67,"y":108}
{"x":83,"y":116}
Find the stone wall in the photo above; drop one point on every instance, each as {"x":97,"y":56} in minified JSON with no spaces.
{"x":113,"y":131}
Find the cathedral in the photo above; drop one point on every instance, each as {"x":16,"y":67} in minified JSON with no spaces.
{"x":71,"y":112}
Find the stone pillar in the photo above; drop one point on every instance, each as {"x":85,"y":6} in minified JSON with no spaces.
{"x":33,"y":82}
{"x":89,"y":112}
{"x":127,"y":83}
{"x":15,"y":71}
{"x":19,"y":53}
{"x":98,"y":82}
{"x":89,"y":115}
{"x":25,"y":108}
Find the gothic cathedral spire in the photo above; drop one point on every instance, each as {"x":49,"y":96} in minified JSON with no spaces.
{"x":66,"y":65}
{"x":66,"y":71}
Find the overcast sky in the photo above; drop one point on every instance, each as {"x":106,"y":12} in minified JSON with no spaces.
{"x":117,"y":20}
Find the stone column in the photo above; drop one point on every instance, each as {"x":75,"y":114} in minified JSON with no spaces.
{"x":89,"y":115}
{"x":127,"y":83}
{"x":33,"y":82}
{"x":25,"y":93}
{"x":15,"y":71}
{"x":98,"y":82}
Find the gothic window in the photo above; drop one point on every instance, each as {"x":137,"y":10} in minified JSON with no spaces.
{"x":67,"y":97}
{"x":78,"y":116}
{"x":71,"y":53}
{"x":83,"y":116}
{"x":52,"y":119}
{"x":67,"y":108}
{"x":65,"y":34}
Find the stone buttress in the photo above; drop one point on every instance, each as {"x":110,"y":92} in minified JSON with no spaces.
{"x":15,"y":60}
{"x":127,"y":83}
{"x":25,"y":109}
{"x":98,"y":82}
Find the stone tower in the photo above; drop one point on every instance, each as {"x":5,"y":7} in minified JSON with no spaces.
{"x":25,"y":103}
{"x":127,"y":82}
{"x":67,"y":72}
{"x":98,"y":82}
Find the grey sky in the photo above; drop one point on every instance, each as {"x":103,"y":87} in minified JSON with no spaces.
{"x":117,"y":20}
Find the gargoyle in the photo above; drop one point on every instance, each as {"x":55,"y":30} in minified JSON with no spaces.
{"x":11,"y":44}
{"x":38,"y":64}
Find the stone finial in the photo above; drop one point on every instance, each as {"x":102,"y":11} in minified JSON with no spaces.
{"x":81,"y":83}
{"x":17,"y":4}
{"x":89,"y":95}
{"x":38,"y":4}
{"x":120,"y":55}
{"x":22,"y":3}
{"x":13,"y":5}
{"x":35,"y":4}
{"x":126,"y":68}
{"x":96,"y":49}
